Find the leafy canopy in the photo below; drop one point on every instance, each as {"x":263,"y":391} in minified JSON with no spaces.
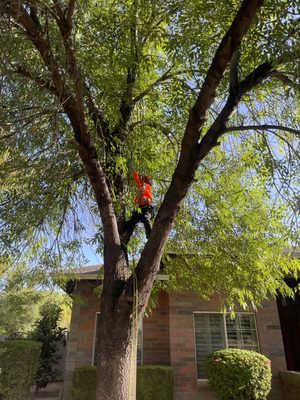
{"x":151,"y":58}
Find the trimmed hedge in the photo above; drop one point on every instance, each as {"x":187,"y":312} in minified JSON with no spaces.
{"x":84,"y":384}
{"x":239,"y":374}
{"x":154,"y":382}
{"x":19,"y":361}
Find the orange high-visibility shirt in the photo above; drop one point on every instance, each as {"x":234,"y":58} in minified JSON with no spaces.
{"x":144,"y":196}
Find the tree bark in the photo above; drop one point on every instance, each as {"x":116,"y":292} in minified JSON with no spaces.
{"x":116,"y":361}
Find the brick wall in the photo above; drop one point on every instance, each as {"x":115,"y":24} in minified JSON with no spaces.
{"x":168,"y":338}
{"x":156,"y":337}
{"x":182,"y":343}
{"x":81,"y":336}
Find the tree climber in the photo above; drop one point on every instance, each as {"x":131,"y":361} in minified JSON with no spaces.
{"x":144,"y":209}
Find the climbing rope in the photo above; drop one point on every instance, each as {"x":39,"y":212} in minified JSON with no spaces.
{"x":134,"y":335}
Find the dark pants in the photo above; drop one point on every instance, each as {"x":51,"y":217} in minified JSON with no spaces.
{"x":144,"y":215}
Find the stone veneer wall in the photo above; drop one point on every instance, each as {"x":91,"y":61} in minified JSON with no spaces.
{"x":168,"y":338}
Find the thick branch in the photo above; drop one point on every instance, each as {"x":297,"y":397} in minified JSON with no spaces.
{"x":70,"y":11}
{"x":73,"y":107}
{"x":39,"y":39}
{"x":65,"y":27}
{"x":189,"y":159}
{"x":217,"y":128}
{"x":65,"y":24}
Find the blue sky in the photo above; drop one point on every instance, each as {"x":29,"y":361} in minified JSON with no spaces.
{"x":91,"y":256}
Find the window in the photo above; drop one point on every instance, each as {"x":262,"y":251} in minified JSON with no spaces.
{"x":139,"y":344}
{"x":215,"y":331}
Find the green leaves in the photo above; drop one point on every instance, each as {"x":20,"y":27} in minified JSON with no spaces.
{"x":140,"y":65}
{"x":230,"y":235}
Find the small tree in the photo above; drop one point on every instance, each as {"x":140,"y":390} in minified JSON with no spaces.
{"x":49,"y":334}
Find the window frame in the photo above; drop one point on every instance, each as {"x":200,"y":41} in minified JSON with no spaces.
{"x":94,"y":338}
{"x":225,"y":332}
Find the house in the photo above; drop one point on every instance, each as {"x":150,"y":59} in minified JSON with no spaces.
{"x":183,"y":329}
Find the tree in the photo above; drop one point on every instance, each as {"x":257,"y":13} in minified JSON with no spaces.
{"x":21,"y":300}
{"x":50,"y":335}
{"x":88,"y":87}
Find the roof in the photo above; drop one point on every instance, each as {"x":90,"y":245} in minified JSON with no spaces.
{"x":93,"y":273}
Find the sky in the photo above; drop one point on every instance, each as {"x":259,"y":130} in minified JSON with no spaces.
{"x":91,"y":256}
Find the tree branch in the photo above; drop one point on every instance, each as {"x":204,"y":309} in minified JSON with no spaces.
{"x":127,"y":105}
{"x":70,"y":11}
{"x":160,"y":80}
{"x":65,"y":27}
{"x":189,"y":158}
{"x":43,"y":83}
{"x":234,"y":72}
{"x":82,"y":91}
{"x":166,"y":76}
{"x":152,"y":124}
{"x":84,"y":144}
{"x":96,"y":114}
{"x":217,"y":128}
{"x":283,"y":78}
{"x":38,"y":38}
{"x":263,"y":127}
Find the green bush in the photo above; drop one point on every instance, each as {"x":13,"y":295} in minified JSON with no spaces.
{"x":153,"y":383}
{"x":239,"y":374}
{"x":49,"y":334}
{"x":19,"y":361}
{"x":84,"y":384}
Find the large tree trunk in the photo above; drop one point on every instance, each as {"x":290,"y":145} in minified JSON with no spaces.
{"x":116,"y":358}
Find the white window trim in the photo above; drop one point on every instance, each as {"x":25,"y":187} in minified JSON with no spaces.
{"x":142,"y":349}
{"x":203,"y":380}
{"x":94,"y":338}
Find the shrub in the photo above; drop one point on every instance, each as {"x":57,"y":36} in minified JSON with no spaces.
{"x":239,"y":374}
{"x":19,"y":361}
{"x":153,"y":383}
{"x":49,"y":334}
{"x":84,"y":384}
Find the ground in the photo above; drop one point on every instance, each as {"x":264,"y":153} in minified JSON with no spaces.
{"x":51,"y":392}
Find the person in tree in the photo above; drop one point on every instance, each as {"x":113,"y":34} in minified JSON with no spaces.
{"x":144,"y":209}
